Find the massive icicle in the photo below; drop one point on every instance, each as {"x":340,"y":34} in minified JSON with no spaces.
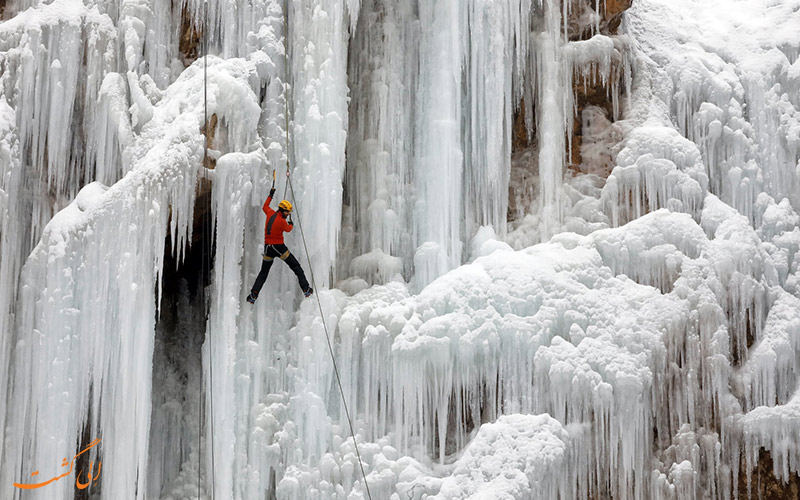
{"x":421,"y":183}
{"x":84,"y":328}
{"x":659,"y":336}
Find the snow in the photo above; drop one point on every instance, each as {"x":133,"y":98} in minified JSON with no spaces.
{"x":628,"y":337}
{"x":656,"y":168}
{"x":470,"y":332}
{"x":715,"y":75}
{"x":517,"y":456}
{"x":376,"y":266}
{"x":88,"y":325}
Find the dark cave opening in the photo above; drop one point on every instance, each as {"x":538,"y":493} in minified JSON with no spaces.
{"x":177,"y":427}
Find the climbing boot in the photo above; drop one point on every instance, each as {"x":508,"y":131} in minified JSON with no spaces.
{"x":252,"y":297}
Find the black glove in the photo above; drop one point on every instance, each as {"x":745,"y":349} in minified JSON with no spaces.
{"x":289,"y":220}
{"x":272,"y":192}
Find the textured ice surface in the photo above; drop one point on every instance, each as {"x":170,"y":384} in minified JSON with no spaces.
{"x":724,"y":75}
{"x":626,"y":338}
{"x":87,"y":304}
{"x":517,"y":456}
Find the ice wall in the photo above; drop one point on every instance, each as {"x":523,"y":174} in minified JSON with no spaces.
{"x":434,"y":88}
{"x":12,"y":254}
{"x":84,"y":319}
{"x":634,"y":352}
{"x":318,"y":58}
{"x":41,"y":162}
{"x":733,"y":99}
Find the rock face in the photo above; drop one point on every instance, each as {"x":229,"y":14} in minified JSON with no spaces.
{"x":586,"y":16}
{"x":612,"y":14}
{"x":594,"y":94}
{"x":189,"y":43}
{"x":764,"y":484}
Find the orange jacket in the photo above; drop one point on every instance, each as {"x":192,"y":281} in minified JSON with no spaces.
{"x":275,"y":226}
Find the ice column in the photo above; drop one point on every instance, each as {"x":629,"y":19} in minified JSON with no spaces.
{"x":12,"y":235}
{"x":553,"y":114}
{"x":434,"y":91}
{"x":439,"y":157}
{"x":43,"y":100}
{"x":382,"y":75}
{"x":775,"y":128}
{"x":232,"y":185}
{"x":493,"y":56}
{"x":85,"y":331}
{"x":319,"y":31}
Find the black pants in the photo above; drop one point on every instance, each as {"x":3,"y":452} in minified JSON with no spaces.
{"x":281,"y":252}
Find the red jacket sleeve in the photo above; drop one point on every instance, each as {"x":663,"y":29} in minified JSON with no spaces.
{"x":265,"y":208}
{"x":285,"y":226}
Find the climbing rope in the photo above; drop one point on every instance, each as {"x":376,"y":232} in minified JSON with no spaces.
{"x":199,"y":433}
{"x":286,"y":87}
{"x":305,"y":247}
{"x":308,"y":255}
{"x":328,"y":339}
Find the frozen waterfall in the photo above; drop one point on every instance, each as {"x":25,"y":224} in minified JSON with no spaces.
{"x":556,"y":244}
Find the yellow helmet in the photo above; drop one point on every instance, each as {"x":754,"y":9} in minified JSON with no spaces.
{"x":285,"y":205}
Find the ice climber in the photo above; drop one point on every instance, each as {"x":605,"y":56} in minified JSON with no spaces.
{"x":277,"y":223}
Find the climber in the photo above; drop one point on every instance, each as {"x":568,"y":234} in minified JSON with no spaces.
{"x":277,"y":223}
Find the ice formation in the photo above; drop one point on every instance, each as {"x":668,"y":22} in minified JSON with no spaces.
{"x":628,"y":337}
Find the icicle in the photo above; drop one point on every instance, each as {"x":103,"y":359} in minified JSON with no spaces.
{"x":232,"y":183}
{"x":553,"y":116}
{"x":391,"y":202}
{"x":47,"y":58}
{"x":379,"y":178}
{"x":113,"y":132}
{"x":439,"y":156}
{"x":12,"y":242}
{"x":319,"y":113}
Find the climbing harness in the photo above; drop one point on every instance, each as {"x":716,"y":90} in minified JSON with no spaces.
{"x":282,"y":256}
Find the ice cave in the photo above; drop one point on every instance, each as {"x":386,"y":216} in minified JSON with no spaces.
{"x":555,"y":249}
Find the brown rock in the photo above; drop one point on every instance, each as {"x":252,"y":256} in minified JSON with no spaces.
{"x":202,"y":207}
{"x":189,"y":40}
{"x":613,"y":8}
{"x":612,"y":15}
{"x":764,"y":484}
{"x":591,"y":91}
{"x":519,"y":131}
{"x":212,"y":131}
{"x":581,"y":25}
